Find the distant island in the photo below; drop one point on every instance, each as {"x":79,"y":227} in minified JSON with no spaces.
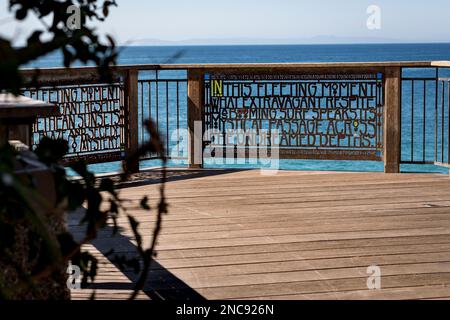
{"x":325,"y":39}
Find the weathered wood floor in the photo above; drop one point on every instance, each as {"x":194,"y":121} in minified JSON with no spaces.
{"x":294,"y":235}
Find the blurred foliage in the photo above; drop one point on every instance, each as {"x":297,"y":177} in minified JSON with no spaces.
{"x":35,"y":246}
{"x":83,"y":44}
{"x":22,"y":207}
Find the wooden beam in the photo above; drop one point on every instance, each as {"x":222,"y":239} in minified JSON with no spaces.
{"x":70,"y":72}
{"x":392,"y":120}
{"x":132,"y":119}
{"x":195,"y":112}
{"x":22,"y":132}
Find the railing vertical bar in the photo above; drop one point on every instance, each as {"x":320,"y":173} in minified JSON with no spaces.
{"x":400,"y":124}
{"x":442,"y":122}
{"x":47,"y":123}
{"x":142,"y":112}
{"x":178,"y":119}
{"x":412,"y":120}
{"x":167,"y":117}
{"x":48,"y":100}
{"x":436,"y":123}
{"x":149,"y":104}
{"x":424,"y":149}
{"x":149,"y":99}
{"x":157,"y":101}
{"x":377,"y":130}
{"x":448,"y":123}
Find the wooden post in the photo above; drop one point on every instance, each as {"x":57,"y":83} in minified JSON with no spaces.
{"x":392,"y":120}
{"x":22,"y":132}
{"x":132,"y":118}
{"x":195,"y":112}
{"x":3,"y":134}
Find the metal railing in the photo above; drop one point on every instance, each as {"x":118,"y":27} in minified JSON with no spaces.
{"x":425,"y":117}
{"x":93,"y":133}
{"x":164,"y":100}
{"x":104,"y":121}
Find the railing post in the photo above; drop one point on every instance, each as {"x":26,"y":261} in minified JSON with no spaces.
{"x":132,"y":118}
{"x":21,"y":132}
{"x":195,"y":112}
{"x":392,"y":120}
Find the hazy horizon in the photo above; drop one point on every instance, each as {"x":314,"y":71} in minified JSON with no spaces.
{"x":202,"y":22}
{"x":268,"y":42}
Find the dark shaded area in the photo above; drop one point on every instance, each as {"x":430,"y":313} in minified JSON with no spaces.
{"x":161,"y":284}
{"x":154,"y":176}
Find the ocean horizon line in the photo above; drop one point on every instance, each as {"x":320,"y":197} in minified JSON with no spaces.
{"x":281,"y":44}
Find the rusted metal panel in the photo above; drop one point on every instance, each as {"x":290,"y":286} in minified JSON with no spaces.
{"x":320,"y":115}
{"x":99,"y":157}
{"x":92,"y":118}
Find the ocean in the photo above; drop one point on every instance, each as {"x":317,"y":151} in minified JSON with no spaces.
{"x":288,"y":53}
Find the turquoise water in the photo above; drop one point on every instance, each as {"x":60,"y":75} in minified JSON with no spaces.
{"x":297,"y":53}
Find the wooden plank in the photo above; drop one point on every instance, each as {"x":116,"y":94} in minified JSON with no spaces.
{"x":199,"y":280}
{"x":299,"y":254}
{"x":440,"y":64}
{"x":318,"y":247}
{"x":294,"y":196}
{"x":303,"y":230}
{"x":419,"y":292}
{"x":279,"y":290}
{"x":245,"y":224}
{"x":305,"y":247}
{"x":244,"y":220}
{"x":293,"y":262}
{"x":349,"y":235}
{"x":228,"y":189}
{"x":293,"y":187}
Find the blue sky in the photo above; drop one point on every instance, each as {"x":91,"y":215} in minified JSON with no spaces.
{"x":140,"y":21}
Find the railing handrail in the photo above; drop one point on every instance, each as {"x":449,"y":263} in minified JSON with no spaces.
{"x":143,"y":67}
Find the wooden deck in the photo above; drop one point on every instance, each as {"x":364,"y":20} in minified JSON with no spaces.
{"x":294,"y":235}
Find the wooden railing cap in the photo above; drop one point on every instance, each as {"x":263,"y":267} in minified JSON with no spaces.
{"x":287,"y":65}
